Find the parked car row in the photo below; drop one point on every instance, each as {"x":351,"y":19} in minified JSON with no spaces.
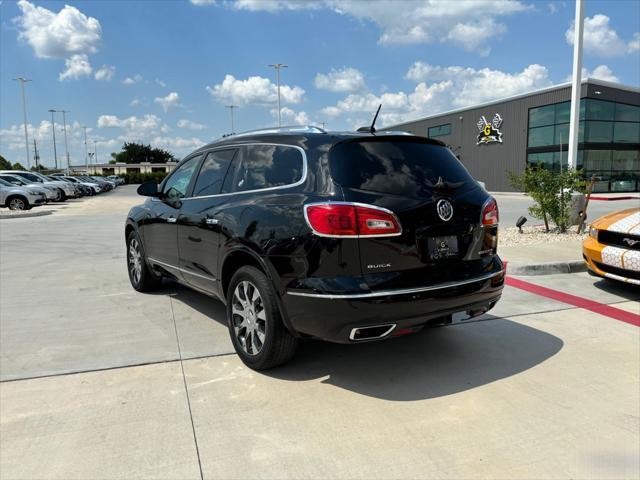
{"x":21,"y":190}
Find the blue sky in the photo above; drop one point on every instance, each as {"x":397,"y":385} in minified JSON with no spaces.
{"x":162,"y":71}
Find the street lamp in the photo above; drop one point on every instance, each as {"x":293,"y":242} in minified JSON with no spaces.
{"x":86,"y":152}
{"x":53,"y":129}
{"x":66,"y":145}
{"x":278,"y":66}
{"x":95,"y":152}
{"x":22,"y":81}
{"x":231,"y":108}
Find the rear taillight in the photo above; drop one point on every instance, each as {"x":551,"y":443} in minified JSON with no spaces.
{"x":490,"y":214}
{"x":337,"y":219}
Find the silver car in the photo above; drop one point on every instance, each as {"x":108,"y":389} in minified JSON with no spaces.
{"x":19,"y":198}
{"x":66,"y":189}
{"x":51,"y":193}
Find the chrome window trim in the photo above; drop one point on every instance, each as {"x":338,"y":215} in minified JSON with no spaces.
{"x":355,"y":204}
{"x":303,"y":177}
{"x":153,"y":260}
{"x":387,"y":293}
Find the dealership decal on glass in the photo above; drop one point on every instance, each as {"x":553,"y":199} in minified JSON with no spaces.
{"x":489,"y":132}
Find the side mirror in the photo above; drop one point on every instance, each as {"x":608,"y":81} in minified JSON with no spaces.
{"x":149,"y":189}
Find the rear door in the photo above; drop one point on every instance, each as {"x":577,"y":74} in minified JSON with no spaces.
{"x":199,"y":226}
{"x":436,"y":200}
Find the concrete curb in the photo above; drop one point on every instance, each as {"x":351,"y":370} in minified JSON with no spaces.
{"x":26,"y":215}
{"x":546,"y":268}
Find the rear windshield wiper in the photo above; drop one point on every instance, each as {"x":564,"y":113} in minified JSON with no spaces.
{"x":443,"y":186}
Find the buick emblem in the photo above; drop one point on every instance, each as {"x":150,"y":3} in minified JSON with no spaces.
{"x":444,"y":209}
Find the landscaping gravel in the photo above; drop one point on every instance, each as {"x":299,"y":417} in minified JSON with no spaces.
{"x":535,"y":235}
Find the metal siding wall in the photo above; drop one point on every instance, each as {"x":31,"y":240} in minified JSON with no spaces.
{"x":491,"y":163}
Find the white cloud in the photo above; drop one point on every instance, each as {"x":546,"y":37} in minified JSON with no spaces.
{"x":601,"y":72}
{"x":58,"y":35}
{"x":160,"y":82}
{"x":343,"y":80}
{"x":602,"y":40}
{"x":172,"y":100}
{"x":137,"y":78}
{"x":189,"y":125}
{"x":291,"y":117}
{"x":77,"y":66}
{"x":439,"y":89}
{"x":146,"y":123}
{"x":105,"y":73}
{"x":176,"y":143}
{"x":13,"y":137}
{"x":203,"y":2}
{"x":256,"y":90}
{"x":474,"y":35}
{"x":273,"y":5}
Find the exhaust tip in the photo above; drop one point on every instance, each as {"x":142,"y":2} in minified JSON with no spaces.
{"x":371,"y":333}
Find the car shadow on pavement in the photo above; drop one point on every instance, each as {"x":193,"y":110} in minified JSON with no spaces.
{"x":625,"y":290}
{"x":432,"y":363}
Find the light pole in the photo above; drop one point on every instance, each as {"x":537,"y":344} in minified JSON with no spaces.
{"x":53,"y":129}
{"x":95,"y":152}
{"x":576,"y":87}
{"x":231,"y":108}
{"x":66,"y":145}
{"x":278,"y":66}
{"x":86,"y":152}
{"x":22,"y":81}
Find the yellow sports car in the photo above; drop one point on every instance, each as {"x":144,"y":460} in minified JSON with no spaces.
{"x":612,"y":249}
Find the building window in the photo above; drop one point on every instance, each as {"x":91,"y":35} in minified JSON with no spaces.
{"x":542,"y":116}
{"x":541,"y":136}
{"x":627,"y":113}
{"x":599,"y":110}
{"x":440,"y":130}
{"x":133,"y":170}
{"x":598,"y":132}
{"x":626,"y":132}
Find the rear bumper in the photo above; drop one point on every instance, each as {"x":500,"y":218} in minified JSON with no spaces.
{"x":333,"y":317}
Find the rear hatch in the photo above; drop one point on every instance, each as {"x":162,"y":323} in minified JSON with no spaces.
{"x":438,"y":204}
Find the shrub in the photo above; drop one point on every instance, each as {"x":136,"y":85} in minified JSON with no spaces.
{"x":551,"y":193}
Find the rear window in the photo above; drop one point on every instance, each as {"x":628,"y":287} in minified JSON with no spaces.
{"x":398,"y":167}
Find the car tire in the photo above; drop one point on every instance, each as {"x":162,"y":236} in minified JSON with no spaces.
{"x":18,"y":203}
{"x":257,"y":331}
{"x":63,"y":195}
{"x":142,"y":278}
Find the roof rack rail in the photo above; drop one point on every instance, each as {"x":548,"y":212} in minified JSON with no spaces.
{"x":287,"y":129}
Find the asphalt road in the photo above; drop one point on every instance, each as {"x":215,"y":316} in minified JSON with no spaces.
{"x":99,"y":381}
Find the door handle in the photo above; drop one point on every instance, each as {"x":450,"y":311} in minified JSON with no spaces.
{"x":212,"y":221}
{"x":172,"y":220}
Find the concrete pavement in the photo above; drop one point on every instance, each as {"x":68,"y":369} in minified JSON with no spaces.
{"x":535,"y":389}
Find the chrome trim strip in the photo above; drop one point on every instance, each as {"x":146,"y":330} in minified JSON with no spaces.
{"x":388,"y":293}
{"x":354,"y":330}
{"x":153,"y":260}
{"x":303,"y":177}
{"x":355,"y":204}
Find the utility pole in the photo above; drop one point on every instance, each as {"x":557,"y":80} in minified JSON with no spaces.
{"x":66,"y":145}
{"x":22,"y":81}
{"x":231,"y":108}
{"x":576,"y":87}
{"x":278,"y":66}
{"x":53,"y":129}
{"x":36,"y":157}
{"x":95,"y":152}
{"x":86,"y":152}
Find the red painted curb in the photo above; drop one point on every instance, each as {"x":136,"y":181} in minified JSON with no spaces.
{"x":611,"y":199}
{"x":579,"y":302}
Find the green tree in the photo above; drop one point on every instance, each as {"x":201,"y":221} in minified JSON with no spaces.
{"x":138,"y":152}
{"x":38,"y":168}
{"x":551,"y":193}
{"x":4,"y":163}
{"x":18,"y":166}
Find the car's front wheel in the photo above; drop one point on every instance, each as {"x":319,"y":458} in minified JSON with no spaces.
{"x":18,"y":203}
{"x":140,"y":275}
{"x":255,"y":322}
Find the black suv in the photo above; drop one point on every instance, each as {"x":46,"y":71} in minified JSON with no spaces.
{"x":345,"y":237}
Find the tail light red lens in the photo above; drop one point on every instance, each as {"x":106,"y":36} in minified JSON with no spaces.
{"x":351,"y":220}
{"x":490,"y":215}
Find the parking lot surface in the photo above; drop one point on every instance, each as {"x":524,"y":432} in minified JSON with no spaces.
{"x":99,"y":381}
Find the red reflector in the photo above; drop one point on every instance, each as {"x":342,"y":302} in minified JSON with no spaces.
{"x":404,"y":331}
{"x":351,"y":220}
{"x":490,"y":215}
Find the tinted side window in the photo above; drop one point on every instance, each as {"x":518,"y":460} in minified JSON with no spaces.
{"x":176,"y":185}
{"x":264,"y":166}
{"x":212,"y":173}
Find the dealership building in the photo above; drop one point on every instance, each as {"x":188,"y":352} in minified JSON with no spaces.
{"x":505,"y":135}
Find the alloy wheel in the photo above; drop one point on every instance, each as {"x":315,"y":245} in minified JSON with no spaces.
{"x":17,"y":204}
{"x":249,"y":317}
{"x":135,"y":261}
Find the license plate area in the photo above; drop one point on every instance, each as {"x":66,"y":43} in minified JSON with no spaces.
{"x":441,"y":248}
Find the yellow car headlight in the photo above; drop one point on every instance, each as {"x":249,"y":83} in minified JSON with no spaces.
{"x":593,"y":232}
